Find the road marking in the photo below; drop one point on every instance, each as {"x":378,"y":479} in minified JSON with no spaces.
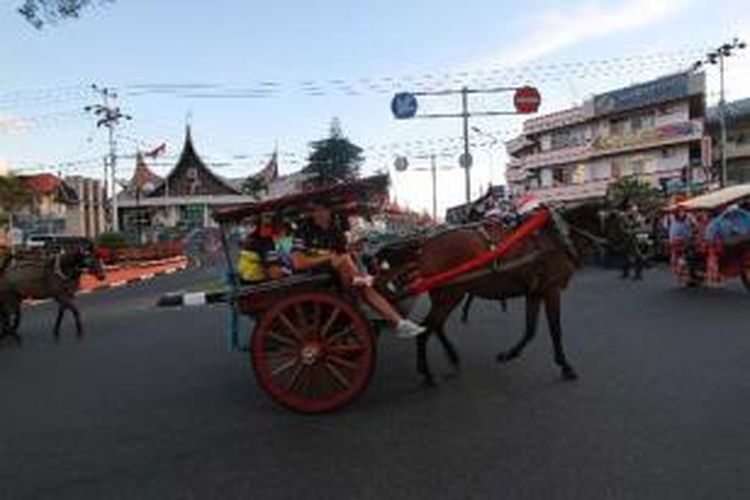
{"x":194,"y":299}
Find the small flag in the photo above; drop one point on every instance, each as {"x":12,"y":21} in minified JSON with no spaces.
{"x":157,"y":151}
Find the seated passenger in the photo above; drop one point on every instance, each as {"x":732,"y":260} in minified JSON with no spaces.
{"x":253,"y":254}
{"x":322,"y":243}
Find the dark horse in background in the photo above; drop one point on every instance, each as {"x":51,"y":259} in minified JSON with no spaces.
{"x":538,"y":269}
{"x":47,"y":277}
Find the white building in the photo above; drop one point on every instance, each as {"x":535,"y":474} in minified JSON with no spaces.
{"x":652,"y":130}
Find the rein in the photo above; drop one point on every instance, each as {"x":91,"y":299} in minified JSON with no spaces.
{"x":597,"y":240}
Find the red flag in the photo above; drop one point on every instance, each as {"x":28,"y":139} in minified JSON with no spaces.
{"x":157,"y":151}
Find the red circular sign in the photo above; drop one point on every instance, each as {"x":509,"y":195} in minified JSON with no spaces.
{"x":527,"y":100}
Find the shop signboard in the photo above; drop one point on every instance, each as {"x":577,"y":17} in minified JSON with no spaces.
{"x":665,"y":89}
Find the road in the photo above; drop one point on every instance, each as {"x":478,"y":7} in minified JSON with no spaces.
{"x":151,"y":405}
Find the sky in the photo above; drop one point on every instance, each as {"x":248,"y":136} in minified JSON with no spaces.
{"x":253,"y":76}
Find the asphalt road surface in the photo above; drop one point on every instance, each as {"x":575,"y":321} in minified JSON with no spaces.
{"x":151,"y":405}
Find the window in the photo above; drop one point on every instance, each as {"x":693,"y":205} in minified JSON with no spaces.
{"x":642,"y":122}
{"x":617,"y":127}
{"x":637,"y":167}
{"x":668,"y":152}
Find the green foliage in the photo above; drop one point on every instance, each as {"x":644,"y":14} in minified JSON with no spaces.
{"x":253,"y":186}
{"x":112,"y":240}
{"x":14,"y":195}
{"x":634,"y":190}
{"x":43,"y":12}
{"x":335,"y":158}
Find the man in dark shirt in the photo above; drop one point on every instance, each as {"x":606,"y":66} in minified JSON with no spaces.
{"x":324,"y":241}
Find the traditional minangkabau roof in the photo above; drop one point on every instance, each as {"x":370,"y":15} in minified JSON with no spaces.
{"x":192,"y":177}
{"x":144,"y":180}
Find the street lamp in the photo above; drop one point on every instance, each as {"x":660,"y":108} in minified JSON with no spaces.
{"x":717,"y":57}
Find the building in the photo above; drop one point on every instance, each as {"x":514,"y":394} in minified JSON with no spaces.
{"x":74,"y":206}
{"x":185,"y":199}
{"x":652,"y":130}
{"x":738,"y":140}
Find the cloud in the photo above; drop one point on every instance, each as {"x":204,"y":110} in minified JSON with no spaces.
{"x":557,"y":29}
{"x":15,"y":123}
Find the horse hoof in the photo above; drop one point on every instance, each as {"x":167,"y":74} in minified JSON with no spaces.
{"x":428,"y":382}
{"x":504,"y":357}
{"x":569,"y":375}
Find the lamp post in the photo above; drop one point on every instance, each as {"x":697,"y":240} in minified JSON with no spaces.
{"x":717,"y":57}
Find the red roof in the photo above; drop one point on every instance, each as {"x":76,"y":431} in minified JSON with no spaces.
{"x":143,"y":175}
{"x":42,"y":184}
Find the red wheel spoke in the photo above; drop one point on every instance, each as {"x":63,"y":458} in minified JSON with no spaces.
{"x":342,"y":350}
{"x":339,"y":334}
{"x":281,"y":339}
{"x":284,"y":367}
{"x":329,"y":323}
{"x":295,"y":377}
{"x":342,"y":362}
{"x":291,"y":327}
{"x":340,"y":378}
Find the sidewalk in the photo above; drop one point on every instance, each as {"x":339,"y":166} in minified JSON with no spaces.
{"x":120,"y":276}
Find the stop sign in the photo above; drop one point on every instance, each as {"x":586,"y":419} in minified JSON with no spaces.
{"x":527,"y":100}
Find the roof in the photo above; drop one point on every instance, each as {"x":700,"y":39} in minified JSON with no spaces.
{"x":191,"y":177}
{"x":717,"y":199}
{"x":143,"y":176}
{"x":738,"y":111}
{"x":51,"y":185}
{"x":362,"y":191}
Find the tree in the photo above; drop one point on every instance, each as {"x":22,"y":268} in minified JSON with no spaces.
{"x":43,"y":12}
{"x":14,"y":195}
{"x":635,"y":190}
{"x":334,"y":159}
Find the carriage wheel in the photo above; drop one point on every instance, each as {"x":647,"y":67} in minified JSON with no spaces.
{"x":745,"y":275}
{"x":313,"y":352}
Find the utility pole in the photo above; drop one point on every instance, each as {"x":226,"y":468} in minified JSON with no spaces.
{"x":109,"y":116}
{"x":717,"y":57}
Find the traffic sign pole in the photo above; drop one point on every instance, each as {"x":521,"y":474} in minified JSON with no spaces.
{"x":526,"y":100}
{"x":465,"y":115}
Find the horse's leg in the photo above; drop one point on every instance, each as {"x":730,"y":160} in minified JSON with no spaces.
{"x":60,"y":313}
{"x":466,"y":308}
{"x":77,"y":316}
{"x":16,"y":321}
{"x":449,"y":349}
{"x":552,"y":310}
{"x":533,"y":303}
{"x":504,"y":305}
{"x":441,"y":306}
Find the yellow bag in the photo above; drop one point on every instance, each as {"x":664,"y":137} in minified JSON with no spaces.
{"x":250,"y":266}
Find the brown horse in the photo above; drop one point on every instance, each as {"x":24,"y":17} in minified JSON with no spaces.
{"x":56,"y":277}
{"x":538,"y":269}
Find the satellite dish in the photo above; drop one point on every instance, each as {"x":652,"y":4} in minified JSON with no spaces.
{"x":401,"y":164}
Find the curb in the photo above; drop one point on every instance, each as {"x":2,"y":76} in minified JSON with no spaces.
{"x":148,"y":263}
{"x":191,"y":299}
{"x":117,"y":284}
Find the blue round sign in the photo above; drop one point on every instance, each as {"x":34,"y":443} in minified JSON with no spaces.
{"x":404,"y":105}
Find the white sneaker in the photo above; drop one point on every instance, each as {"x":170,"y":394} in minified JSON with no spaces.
{"x":408,"y":329}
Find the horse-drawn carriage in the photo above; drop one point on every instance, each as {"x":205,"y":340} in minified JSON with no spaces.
{"x":313,"y":343}
{"x":710,"y":237}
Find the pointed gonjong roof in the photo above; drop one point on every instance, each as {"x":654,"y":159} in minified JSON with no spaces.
{"x":192,"y":177}
{"x":144,"y":180}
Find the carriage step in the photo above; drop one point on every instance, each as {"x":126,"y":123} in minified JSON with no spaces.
{"x":192,"y":299}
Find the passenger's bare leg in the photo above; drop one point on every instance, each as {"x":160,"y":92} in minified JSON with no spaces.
{"x":347,"y":269}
